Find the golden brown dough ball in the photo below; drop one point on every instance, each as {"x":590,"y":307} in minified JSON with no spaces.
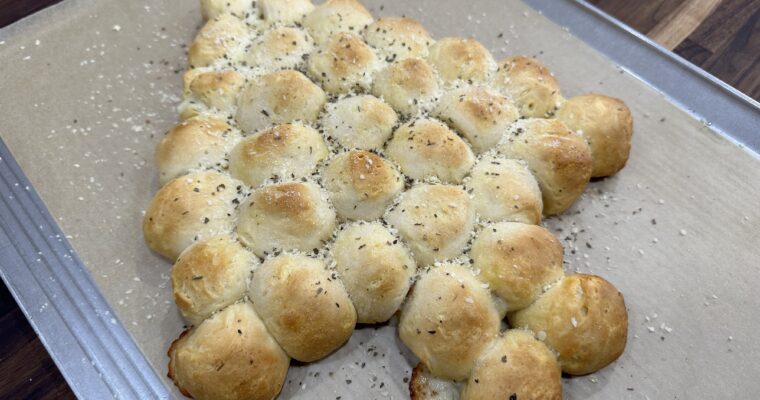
{"x":448,"y":320}
{"x":220,"y":36}
{"x":398,"y":37}
{"x":284,"y":11}
{"x":583,"y":318}
{"x":359,"y":122}
{"x":188,"y":209}
{"x":197,"y":143}
{"x":229,"y":356}
{"x":217,"y":89}
{"x":376,"y":269}
{"x":434,"y":220}
{"x":530,"y":84}
{"x":289,"y":151}
{"x":282,"y":47}
{"x":559,"y":158}
{"x":504,"y":189}
{"x":210,"y":275}
{"x":211,"y":9}
{"x":462,"y":59}
{"x":334,"y":16}
{"x":286,"y":216}
{"x":410,"y":86}
{"x":427,"y":148}
{"x":304,"y":306}
{"x":481,"y":115}
{"x":277,"y":98}
{"x":607,"y":124}
{"x":344,"y":63}
{"x":516,"y":366}
{"x":518,"y":261}
{"x":361,"y":184}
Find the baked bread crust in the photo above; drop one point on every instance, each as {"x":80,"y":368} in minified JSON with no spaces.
{"x":398,"y":37}
{"x":529,"y":84}
{"x":461,"y":59}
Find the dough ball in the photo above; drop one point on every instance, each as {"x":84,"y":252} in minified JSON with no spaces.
{"x":462,"y":59}
{"x":287,"y":151}
{"x":230,"y":356}
{"x":434,"y":220}
{"x":398,"y":37}
{"x":518,"y":261}
{"x":211,"y":9}
{"x":286,"y":216}
{"x":427,"y":148}
{"x":361,"y":184}
{"x":210,"y":275}
{"x":343,"y":64}
{"x":516,"y":366}
{"x":360,"y":122}
{"x":196,"y":143}
{"x":505,"y":190}
{"x":559,"y":158}
{"x":334,"y":16}
{"x":219,"y":37}
{"x":188,"y":209}
{"x":304,"y":306}
{"x":282,"y":47}
{"x":479,"y":114}
{"x":448,"y":320}
{"x":375,"y":268}
{"x":530,"y":85}
{"x":217,"y":89}
{"x":285,"y":11}
{"x":607,"y":125}
{"x":277,"y":98}
{"x":583,"y":318}
{"x":410,"y":86}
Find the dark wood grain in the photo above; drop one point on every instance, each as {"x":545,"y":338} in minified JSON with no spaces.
{"x":14,"y":10}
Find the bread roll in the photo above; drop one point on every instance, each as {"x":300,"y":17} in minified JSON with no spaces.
{"x":279,"y":97}
{"x":211,"y":9}
{"x":375,"y":268}
{"x":424,"y":386}
{"x":481,"y":115}
{"x":462,"y":59}
{"x":229,"y":356}
{"x":398,"y":37}
{"x":516,"y":366}
{"x":286,"y":216}
{"x":188,"y":209}
{"x":448,"y":320}
{"x":219,"y":37}
{"x":280,"y":47}
{"x":518,"y":261}
{"x":530,"y":85}
{"x":434,"y":220}
{"x":361,"y":184}
{"x":217,"y":89}
{"x":304,"y":306}
{"x":210,"y":275}
{"x":410,"y":86}
{"x":284,"y":11}
{"x":359,"y":122}
{"x":427,"y":148}
{"x":559,"y":159}
{"x":334,"y":16}
{"x":583,"y":318}
{"x":343,"y":64}
{"x":289,"y":151}
{"x":504,"y":189}
{"x":607,"y":125}
{"x":200,"y":142}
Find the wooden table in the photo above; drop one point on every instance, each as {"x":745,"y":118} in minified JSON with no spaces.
{"x":721,"y":36}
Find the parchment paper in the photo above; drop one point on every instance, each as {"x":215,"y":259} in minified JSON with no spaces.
{"x":88,"y":88}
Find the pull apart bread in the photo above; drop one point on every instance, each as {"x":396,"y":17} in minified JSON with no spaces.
{"x":334,"y":169}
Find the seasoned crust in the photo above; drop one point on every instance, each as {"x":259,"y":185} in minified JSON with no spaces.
{"x":584,"y":319}
{"x":289,"y":151}
{"x":343,"y":64}
{"x":530,"y":84}
{"x":361,"y":184}
{"x":284,"y":11}
{"x":426,"y":148}
{"x":280,"y":47}
{"x":335,"y":16}
{"x":398,"y":37}
{"x":359,"y":122}
{"x":559,"y":159}
{"x":211,"y":9}
{"x":190,"y":208}
{"x":607,"y":125}
{"x":218,"y":37}
{"x":517,"y":261}
{"x":410,"y":86}
{"x":304,"y":305}
{"x":229,"y":356}
{"x":424,"y":386}
{"x":462,"y":59}
{"x":448,"y":320}
{"x":216,"y":89}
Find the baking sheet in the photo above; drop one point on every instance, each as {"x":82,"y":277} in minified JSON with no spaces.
{"x":88,"y":88}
